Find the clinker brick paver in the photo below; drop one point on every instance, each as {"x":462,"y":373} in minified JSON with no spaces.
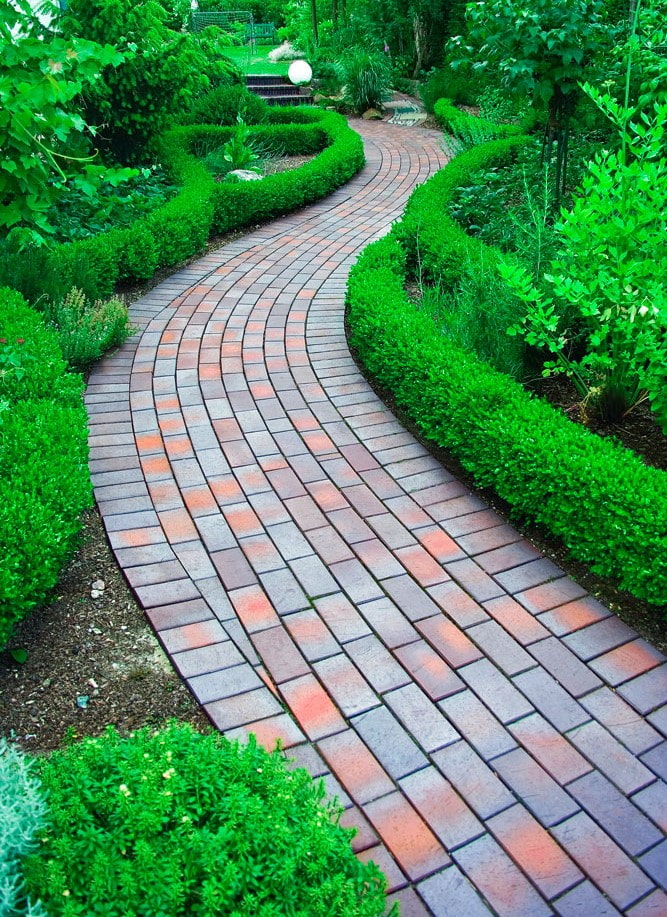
{"x":497,"y":736}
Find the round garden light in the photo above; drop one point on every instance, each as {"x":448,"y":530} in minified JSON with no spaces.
{"x":300,"y":72}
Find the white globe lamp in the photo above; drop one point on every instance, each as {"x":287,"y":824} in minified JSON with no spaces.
{"x":300,"y":72}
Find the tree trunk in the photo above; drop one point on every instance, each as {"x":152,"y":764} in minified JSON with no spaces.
{"x":418,"y":29}
{"x":313,"y":13}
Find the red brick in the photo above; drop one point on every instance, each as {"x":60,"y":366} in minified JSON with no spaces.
{"x":346,"y":685}
{"x":648,"y":691}
{"x":600,"y":747}
{"x":427,"y":724}
{"x":242,"y":709}
{"x":489,"y":538}
{"x":506,"y":889}
{"x":382,"y":858}
{"x":421,"y":565}
{"x":534,"y":851}
{"x":542,"y":795}
{"x":572,"y":674}
{"x":427,"y":668}
{"x":574,"y":615}
{"x":627,"y":662}
{"x":253,"y":608}
{"x":388,"y":622}
{"x":509,"y":557}
{"x":279,"y":654}
{"x":550,"y":595}
{"x":448,"y":640}
{"x":311,"y":635}
{"x":405,"y":834}
{"x":268,"y":732}
{"x":380,"y":561}
{"x":312,"y":707}
{"x":556,"y":755}
{"x":365,"y":836}
{"x":457,"y":604}
{"x":474,"y":580}
{"x":356,"y":768}
{"x":342,"y":618}
{"x":602,"y":860}
{"x":191,"y":636}
{"x":441,"y":807}
{"x":376,"y":662}
{"x":521,"y":625}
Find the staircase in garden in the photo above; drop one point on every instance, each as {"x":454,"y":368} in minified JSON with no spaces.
{"x":277,"y":90}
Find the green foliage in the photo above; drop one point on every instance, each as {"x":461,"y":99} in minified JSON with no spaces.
{"x":510,"y":206}
{"x":475,"y":316}
{"x":605,"y":504}
{"x":44,"y":480}
{"x":78,"y":216}
{"x":43,"y":137}
{"x":180,"y":228}
{"x":179,"y":823}
{"x":22,"y":811}
{"x":541,"y":48}
{"x":435,"y":243}
{"x":470,"y":130}
{"x":224,"y":104}
{"x":366,"y":79}
{"x":137,"y":100}
{"x":238,"y":205}
{"x":602,"y":310}
{"x":448,"y":83}
{"x":87,"y":330}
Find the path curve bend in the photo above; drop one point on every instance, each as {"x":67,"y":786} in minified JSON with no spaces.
{"x":497,"y":736}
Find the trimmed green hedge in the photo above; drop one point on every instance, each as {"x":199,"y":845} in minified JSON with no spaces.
{"x":44,"y":479}
{"x":179,"y":229}
{"x":432,"y":238}
{"x":598,"y":497}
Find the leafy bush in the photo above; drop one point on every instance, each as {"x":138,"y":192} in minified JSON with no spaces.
{"x":22,"y":811}
{"x":44,"y":479}
{"x":180,"y":228}
{"x":224,"y":104}
{"x":137,"y":100}
{"x":436,"y":245}
{"x":42,"y":135}
{"x":87,"y":330}
{"x":75,"y":215}
{"x":598,"y":497}
{"x":179,"y":823}
{"x":602,"y":311}
{"x":445,"y":83}
{"x":366,"y":79}
{"x":470,"y":130}
{"x":476,"y":315}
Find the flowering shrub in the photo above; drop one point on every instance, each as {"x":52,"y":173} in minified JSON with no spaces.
{"x":178,"y":823}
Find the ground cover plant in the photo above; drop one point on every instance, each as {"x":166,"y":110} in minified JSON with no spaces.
{"x":175,"y":822}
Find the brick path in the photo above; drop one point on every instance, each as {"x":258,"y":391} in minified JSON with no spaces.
{"x":316,"y":576}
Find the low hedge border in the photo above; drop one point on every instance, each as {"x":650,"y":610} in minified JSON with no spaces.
{"x":44,"y":478}
{"x":180,"y":228}
{"x":608,"y":508}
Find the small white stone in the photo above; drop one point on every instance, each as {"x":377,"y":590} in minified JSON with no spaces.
{"x":99,"y":584}
{"x":95,"y":593}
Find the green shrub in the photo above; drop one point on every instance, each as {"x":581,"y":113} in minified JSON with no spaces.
{"x":87,"y":330}
{"x":178,"y":823}
{"x":163,"y":75}
{"x":436,"y":245}
{"x":44,"y":479}
{"x":22,"y":810}
{"x":598,"y":497}
{"x":224,"y":104}
{"x":445,"y":83}
{"x":181,"y":227}
{"x":366,"y":79}
{"x":468,"y":129}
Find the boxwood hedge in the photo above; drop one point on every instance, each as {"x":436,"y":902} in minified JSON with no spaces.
{"x":44,"y":479}
{"x":179,"y":229}
{"x":608,"y":508}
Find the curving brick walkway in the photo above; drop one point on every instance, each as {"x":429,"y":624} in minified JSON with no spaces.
{"x":316,"y":576}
